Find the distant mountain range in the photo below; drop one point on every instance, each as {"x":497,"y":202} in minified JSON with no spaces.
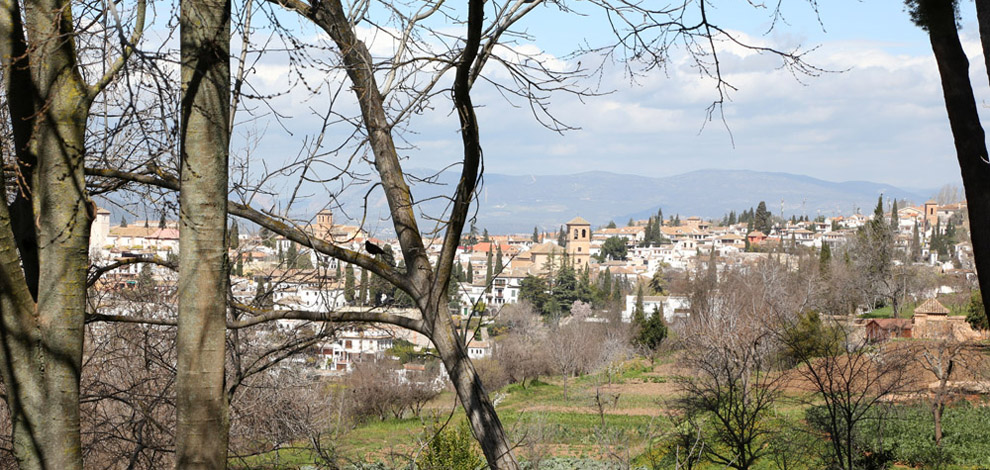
{"x":515,"y":204}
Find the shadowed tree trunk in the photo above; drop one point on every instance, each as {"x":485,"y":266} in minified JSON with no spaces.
{"x":44,"y":233}
{"x":201,"y":404}
{"x":938,"y":18}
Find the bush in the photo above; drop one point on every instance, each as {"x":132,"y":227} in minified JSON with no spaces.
{"x":449,"y":448}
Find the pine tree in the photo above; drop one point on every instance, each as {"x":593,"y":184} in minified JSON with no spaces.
{"x":762,"y":220}
{"x":349,"y":284}
{"x":123,"y":222}
{"x":631,"y":222}
{"x":732,"y":218}
{"x":611,"y":224}
{"x":472,"y":234}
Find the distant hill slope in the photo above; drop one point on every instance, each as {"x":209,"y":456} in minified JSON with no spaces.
{"x":517,"y":203}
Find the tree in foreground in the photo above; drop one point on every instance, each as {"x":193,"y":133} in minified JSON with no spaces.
{"x":44,"y":265}
{"x":938,"y":18}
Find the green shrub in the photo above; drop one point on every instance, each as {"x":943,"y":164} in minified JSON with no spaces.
{"x":449,"y":448}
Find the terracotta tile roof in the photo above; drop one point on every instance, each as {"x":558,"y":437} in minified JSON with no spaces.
{"x":578,"y":221}
{"x":546,"y":248}
{"x":932,"y":307}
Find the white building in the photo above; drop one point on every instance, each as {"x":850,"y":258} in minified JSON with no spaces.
{"x":673,"y":306}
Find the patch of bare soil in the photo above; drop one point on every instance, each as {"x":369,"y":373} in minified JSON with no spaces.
{"x":591,"y":410}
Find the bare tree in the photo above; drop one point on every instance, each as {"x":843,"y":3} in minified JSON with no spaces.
{"x":387,"y":90}
{"x":736,"y":381}
{"x":941,"y":357}
{"x":851,"y":380}
{"x":44,"y":231}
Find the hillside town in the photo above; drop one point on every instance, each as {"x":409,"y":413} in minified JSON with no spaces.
{"x":493,"y":270}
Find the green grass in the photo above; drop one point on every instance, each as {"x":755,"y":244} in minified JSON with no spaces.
{"x":571,"y":430}
{"x":907,"y":310}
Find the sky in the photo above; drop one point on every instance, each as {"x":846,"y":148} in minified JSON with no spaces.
{"x":875,"y":114}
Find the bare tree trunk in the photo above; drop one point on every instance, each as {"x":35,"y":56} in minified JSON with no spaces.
{"x":967,"y":132}
{"x":485,"y":423}
{"x":201,"y":403}
{"x":43,"y":290}
{"x":937,"y":413}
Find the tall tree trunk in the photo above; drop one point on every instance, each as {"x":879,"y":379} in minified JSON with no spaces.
{"x":201,"y":403}
{"x":44,"y":238}
{"x":967,"y":132}
{"x":485,"y":424}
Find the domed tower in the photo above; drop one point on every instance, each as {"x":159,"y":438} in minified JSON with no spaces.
{"x":578,"y":242}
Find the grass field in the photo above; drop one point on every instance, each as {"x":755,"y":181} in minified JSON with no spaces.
{"x":603,"y":426}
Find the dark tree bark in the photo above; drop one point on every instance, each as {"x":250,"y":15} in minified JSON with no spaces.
{"x":201,"y":400}
{"x":938,"y":18}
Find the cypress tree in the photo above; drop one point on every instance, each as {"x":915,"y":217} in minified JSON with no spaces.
{"x":469,"y":275}
{"x":233,"y":235}
{"x":488,"y":271}
{"x":561,"y":236}
{"x":639,"y":315}
{"x":363,"y":288}
{"x":894,"y":219}
{"x":915,"y":249}
{"x":349,"y":284}
{"x":485,"y":237}
{"x":292,"y":257}
{"x":536,"y":234}
{"x":162,"y":224}
{"x":607,"y":283}
{"x":498,"y":260}
{"x":123,"y":222}
{"x":824,"y":259}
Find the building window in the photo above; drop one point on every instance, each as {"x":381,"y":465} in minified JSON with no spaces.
{"x":584,"y":233}
{"x":575,"y":234}
{"x":579,"y":249}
